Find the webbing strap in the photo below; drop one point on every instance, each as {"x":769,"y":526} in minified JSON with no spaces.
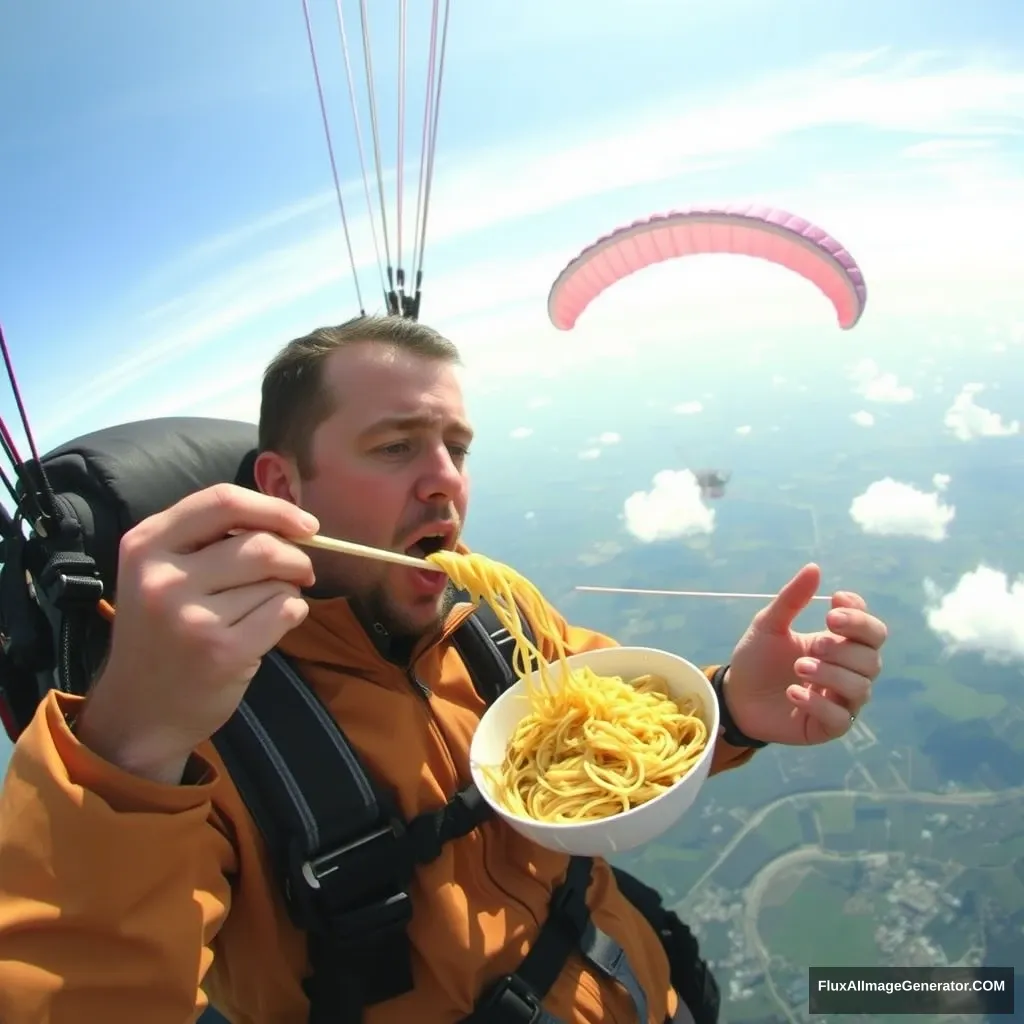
{"x":517,"y":998}
{"x":281,"y":727}
{"x":337,"y":846}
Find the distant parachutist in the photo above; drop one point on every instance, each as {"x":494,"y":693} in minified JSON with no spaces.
{"x":712,"y":482}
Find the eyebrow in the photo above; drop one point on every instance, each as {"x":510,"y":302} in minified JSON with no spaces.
{"x":417,"y":421}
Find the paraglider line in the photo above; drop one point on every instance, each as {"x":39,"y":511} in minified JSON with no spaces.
{"x":330,"y":153}
{"x":359,"y":144}
{"x":400,"y":177}
{"x":368,"y":64}
{"x":9,"y":485}
{"x":428,"y":104}
{"x":48,"y":510}
{"x":433,"y":141}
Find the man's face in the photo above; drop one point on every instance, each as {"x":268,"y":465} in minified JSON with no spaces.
{"x":389,"y":468}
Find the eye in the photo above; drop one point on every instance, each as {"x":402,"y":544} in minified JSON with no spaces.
{"x":395,"y":448}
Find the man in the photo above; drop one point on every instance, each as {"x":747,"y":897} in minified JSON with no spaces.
{"x":131,"y":874}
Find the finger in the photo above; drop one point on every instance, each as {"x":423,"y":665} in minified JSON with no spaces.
{"x":857,"y":625}
{"x":850,"y":688}
{"x":851,"y":654}
{"x":847,"y":599}
{"x":247,"y":558}
{"x":229,"y":607}
{"x":206,"y":516}
{"x":833,"y":721}
{"x":791,"y":600}
{"x":263,"y":628}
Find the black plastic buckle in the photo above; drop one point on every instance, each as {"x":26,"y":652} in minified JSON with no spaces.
{"x":356,"y":890}
{"x":71,"y":580}
{"x":510,"y":1001}
{"x":464,"y":812}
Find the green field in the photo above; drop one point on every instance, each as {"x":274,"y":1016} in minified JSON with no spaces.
{"x":815,"y":928}
{"x":835,"y":816}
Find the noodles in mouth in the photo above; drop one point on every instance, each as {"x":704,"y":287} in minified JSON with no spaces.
{"x":590,"y":747}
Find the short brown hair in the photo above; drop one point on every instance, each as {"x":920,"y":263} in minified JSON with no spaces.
{"x":295,"y":401}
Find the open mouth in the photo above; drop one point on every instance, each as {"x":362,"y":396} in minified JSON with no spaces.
{"x":428,"y":544}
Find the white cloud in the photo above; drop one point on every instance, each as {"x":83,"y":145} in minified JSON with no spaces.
{"x":590,"y":453}
{"x":671,"y":508}
{"x":863,"y":418}
{"x":983,"y":614}
{"x":609,"y":437}
{"x":688,"y":408}
{"x":966,"y":420}
{"x":940,"y":481}
{"x":744,"y":430}
{"x":889,"y":508}
{"x":520,"y":432}
{"x":876,"y":386}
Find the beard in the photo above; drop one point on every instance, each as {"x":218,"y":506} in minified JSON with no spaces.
{"x":373,"y":606}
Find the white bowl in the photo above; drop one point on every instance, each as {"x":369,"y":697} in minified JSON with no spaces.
{"x":627,"y":829}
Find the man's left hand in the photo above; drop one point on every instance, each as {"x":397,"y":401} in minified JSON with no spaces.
{"x":804,"y":688}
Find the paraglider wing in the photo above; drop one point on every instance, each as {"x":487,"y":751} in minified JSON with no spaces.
{"x":763,"y":232}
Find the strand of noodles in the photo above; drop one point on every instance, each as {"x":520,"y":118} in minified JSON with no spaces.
{"x":588,"y":749}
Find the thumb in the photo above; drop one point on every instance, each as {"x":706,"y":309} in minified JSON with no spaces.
{"x":791,"y":600}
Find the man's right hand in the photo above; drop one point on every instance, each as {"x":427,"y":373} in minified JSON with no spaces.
{"x":204,"y":590}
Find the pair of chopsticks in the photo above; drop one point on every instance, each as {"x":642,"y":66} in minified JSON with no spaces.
{"x":347,"y":547}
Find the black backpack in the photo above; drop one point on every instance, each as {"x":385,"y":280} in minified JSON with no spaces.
{"x":343,"y":855}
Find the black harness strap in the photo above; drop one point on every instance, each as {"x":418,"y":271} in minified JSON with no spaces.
{"x":335,"y":838}
{"x":516,"y":998}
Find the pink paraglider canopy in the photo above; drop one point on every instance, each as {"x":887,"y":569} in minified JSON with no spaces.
{"x":763,"y":232}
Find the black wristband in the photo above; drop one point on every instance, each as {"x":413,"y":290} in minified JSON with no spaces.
{"x":731,"y":731}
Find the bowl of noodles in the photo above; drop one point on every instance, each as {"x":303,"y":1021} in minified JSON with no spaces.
{"x":600,"y":752}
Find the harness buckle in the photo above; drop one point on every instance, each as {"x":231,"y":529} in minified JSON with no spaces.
{"x":71,"y":580}
{"x":510,"y":1001}
{"x":358,"y":890}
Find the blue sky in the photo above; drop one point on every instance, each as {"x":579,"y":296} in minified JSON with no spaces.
{"x":169,"y":218}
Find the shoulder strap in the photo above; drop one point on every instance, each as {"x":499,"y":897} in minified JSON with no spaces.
{"x":477,"y":640}
{"x":335,"y":840}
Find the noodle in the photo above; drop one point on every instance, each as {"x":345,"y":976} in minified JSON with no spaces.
{"x":592,"y":747}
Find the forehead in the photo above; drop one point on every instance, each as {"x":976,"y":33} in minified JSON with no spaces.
{"x":371,"y":382}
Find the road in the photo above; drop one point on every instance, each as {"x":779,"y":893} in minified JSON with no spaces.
{"x":977,"y":798}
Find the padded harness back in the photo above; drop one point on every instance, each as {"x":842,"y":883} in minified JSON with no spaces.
{"x":114,"y":478}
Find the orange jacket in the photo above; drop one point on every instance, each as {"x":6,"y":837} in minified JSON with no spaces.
{"x":122,"y":900}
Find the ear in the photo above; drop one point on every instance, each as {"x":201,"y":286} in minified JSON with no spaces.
{"x":276,"y":475}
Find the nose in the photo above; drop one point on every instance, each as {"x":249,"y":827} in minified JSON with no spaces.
{"x":442,"y":478}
